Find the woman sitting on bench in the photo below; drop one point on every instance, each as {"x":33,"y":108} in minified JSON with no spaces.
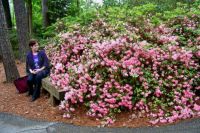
{"x":37,"y":68}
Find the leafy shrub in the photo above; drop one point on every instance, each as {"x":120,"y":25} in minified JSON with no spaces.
{"x":144,"y":68}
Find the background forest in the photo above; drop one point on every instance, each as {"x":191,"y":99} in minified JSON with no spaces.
{"x":47,"y":18}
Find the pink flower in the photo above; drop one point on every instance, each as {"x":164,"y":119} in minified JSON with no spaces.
{"x":66,"y":116}
{"x":188,"y":94}
{"x":175,"y":56}
{"x":196,"y":107}
{"x":171,"y":120}
{"x":158,"y":93}
{"x":112,"y":100}
{"x":198,"y":53}
{"x":163,"y":120}
{"x":154,"y":121}
{"x":109,"y":121}
{"x":62,"y":105}
{"x":72,"y":109}
{"x":59,"y":66}
{"x":161,"y":112}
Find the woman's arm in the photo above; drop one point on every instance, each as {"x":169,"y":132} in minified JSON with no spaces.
{"x":42,"y":68}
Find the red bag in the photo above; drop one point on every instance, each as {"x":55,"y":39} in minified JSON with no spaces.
{"x":21,"y":84}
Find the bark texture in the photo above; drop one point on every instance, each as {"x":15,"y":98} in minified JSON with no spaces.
{"x":22,"y":27}
{"x":6,"y":49}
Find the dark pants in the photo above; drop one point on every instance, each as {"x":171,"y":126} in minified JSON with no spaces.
{"x":34,"y":82}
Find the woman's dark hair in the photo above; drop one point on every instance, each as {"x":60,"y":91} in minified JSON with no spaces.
{"x":32,"y":42}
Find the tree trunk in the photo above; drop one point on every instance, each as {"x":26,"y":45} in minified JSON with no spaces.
{"x":45,"y":13}
{"x":30,"y":15}
{"x":6,"y":49}
{"x":7,"y":13}
{"x":22,"y":27}
{"x":0,"y":55}
{"x":78,"y":6}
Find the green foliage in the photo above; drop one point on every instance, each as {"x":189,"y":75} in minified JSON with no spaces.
{"x":57,"y":9}
{"x":110,"y":3}
{"x":117,"y":16}
{"x":37,"y":18}
{"x":14,"y":42}
{"x":70,"y":23}
{"x":62,"y":8}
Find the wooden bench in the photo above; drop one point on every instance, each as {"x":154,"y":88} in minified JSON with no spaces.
{"x":55,"y":94}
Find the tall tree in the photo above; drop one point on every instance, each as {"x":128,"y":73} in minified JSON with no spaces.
{"x":30,"y":15}
{"x":6,"y":49}
{"x":78,"y":6}
{"x":0,"y":55}
{"x":45,"y":13}
{"x":7,"y":13}
{"x":22,"y":27}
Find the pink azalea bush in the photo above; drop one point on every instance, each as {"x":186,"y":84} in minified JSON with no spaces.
{"x":156,"y":75}
{"x":187,"y":27}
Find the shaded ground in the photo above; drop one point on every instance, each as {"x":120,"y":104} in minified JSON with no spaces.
{"x":14,"y":103}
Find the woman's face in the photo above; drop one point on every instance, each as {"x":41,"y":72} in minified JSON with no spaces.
{"x":35,"y":47}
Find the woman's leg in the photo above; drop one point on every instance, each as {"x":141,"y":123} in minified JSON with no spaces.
{"x":38,"y":81}
{"x":30,"y":83}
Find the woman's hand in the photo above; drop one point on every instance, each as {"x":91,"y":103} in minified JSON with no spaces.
{"x":32,"y":71}
{"x":37,"y":70}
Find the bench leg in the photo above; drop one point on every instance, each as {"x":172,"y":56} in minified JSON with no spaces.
{"x":52,"y":100}
{"x":43,"y":91}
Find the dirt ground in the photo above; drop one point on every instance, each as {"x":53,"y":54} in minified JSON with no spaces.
{"x":19,"y":104}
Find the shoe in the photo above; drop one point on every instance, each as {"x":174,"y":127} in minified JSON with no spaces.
{"x":28,"y":94}
{"x":32,"y":99}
